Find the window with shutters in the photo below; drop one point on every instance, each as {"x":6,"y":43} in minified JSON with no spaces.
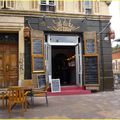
{"x":88,"y":6}
{"x":61,"y":5}
{"x":96,"y":6}
{"x":47,"y":5}
{"x":34,"y":4}
{"x":7,"y":4}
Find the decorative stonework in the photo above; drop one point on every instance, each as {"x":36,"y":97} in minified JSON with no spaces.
{"x":21,"y":67}
{"x":62,"y":25}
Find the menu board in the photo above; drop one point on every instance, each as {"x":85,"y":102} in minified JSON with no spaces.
{"x":38,"y":64}
{"x":55,"y":85}
{"x":37,"y":47}
{"x":90,"y":46}
{"x":41,"y":81}
{"x":91,"y":69}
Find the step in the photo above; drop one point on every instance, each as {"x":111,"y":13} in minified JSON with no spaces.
{"x":72,"y":88}
{"x":69,"y":92}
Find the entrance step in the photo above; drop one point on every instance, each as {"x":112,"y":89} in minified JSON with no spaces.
{"x":70,"y":90}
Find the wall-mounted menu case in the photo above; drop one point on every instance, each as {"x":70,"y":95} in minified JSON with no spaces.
{"x":91,"y":70}
{"x":37,"y":46}
{"x":90,"y":43}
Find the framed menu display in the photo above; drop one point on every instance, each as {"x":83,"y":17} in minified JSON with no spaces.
{"x":91,"y":70}
{"x":90,"y":43}
{"x":38,"y":63}
{"x":37,"y":50}
{"x":37,"y":47}
{"x":41,"y":81}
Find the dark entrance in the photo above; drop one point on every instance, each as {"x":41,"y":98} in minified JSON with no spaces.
{"x":63,"y":64}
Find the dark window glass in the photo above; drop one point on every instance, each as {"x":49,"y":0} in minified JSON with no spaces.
{"x":27,"y":72}
{"x":51,"y":8}
{"x":51,"y":2}
{"x":43,"y":8}
{"x":43,"y":1}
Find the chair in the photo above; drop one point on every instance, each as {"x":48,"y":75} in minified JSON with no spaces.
{"x":2,"y":97}
{"x":36,"y":92}
{"x":16,"y":96}
{"x":28,"y":84}
{"x":41,"y":92}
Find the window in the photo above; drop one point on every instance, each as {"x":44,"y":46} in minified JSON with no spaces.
{"x":47,"y":5}
{"x":118,"y":65}
{"x":61,"y":5}
{"x":5,"y":4}
{"x":88,"y":7}
{"x":96,"y":6}
{"x":34,"y":4}
{"x":113,"y":66}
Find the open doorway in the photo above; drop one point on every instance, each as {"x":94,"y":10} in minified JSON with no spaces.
{"x":63,"y":64}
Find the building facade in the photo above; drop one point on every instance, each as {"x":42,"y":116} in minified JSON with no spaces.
{"x":116,"y":61}
{"x":63,"y":40}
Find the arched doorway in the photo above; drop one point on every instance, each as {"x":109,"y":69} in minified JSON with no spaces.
{"x":60,"y":65}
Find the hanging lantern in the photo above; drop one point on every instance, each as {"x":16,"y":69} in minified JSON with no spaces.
{"x":26,"y":32}
{"x":112,"y":34}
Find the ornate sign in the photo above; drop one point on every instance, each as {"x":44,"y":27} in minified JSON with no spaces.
{"x":62,"y":25}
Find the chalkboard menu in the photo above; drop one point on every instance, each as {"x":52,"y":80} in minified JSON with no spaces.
{"x":90,"y":46}
{"x":91,"y":69}
{"x":38,"y":64}
{"x":41,"y":81}
{"x":55,"y":85}
{"x":37,"y":47}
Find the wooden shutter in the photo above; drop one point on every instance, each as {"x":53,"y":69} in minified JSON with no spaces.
{"x":1,"y":3}
{"x":37,"y":49}
{"x":10,"y":3}
{"x":34,"y":4}
{"x":96,"y":6}
{"x":80,"y":6}
{"x":61,"y":5}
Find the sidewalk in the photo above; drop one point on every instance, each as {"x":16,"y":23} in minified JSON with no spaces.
{"x":98,"y":105}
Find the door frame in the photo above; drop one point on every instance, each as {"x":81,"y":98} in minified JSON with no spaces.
{"x":48,"y":58}
{"x":9,"y":24}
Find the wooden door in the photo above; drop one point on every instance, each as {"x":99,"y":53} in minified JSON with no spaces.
{"x":8,"y":65}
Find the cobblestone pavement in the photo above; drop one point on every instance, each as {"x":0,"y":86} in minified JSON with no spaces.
{"x":97,"y":105}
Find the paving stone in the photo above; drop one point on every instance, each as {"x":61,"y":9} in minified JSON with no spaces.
{"x":97,"y":105}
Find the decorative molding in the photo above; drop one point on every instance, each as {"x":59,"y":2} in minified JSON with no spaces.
{"x":62,"y":25}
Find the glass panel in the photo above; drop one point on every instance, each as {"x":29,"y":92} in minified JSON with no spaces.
{"x":43,"y":1}
{"x":43,"y":8}
{"x":51,"y":2}
{"x":37,"y":47}
{"x":38,"y":64}
{"x":63,"y":39}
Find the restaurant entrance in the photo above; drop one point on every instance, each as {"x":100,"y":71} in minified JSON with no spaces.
{"x":64,"y":64}
{"x":64,"y":59}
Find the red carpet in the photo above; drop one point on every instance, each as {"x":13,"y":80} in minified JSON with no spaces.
{"x":70,"y":90}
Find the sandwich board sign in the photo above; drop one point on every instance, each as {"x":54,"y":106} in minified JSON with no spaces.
{"x":55,"y":85}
